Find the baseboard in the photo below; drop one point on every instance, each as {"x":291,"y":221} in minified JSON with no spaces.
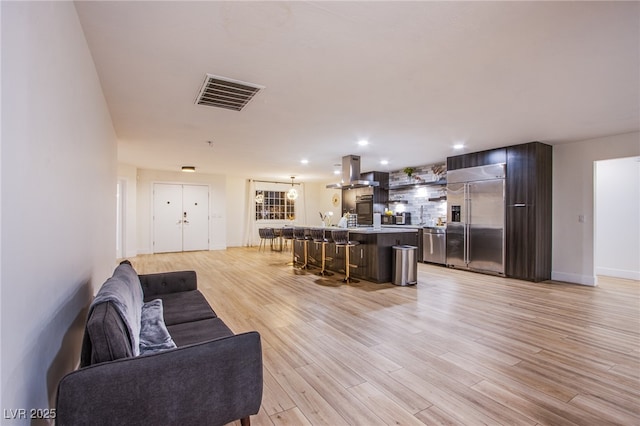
{"x":575,"y":278}
{"x":619,"y":273}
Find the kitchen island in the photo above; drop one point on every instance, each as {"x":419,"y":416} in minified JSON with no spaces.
{"x":371,"y":260}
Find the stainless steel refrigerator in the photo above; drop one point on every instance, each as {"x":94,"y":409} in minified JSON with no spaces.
{"x":475,"y":218}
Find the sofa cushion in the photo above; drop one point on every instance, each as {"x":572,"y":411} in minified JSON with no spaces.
{"x":155,"y":285}
{"x":185,"y":306}
{"x":154,"y":336}
{"x":198,"y":331}
{"x":106,"y":336}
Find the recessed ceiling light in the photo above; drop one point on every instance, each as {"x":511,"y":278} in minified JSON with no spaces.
{"x":304,"y":161}
{"x":458,"y":146}
{"x":384,"y":162}
{"x":188,"y":169}
{"x":363,"y":142}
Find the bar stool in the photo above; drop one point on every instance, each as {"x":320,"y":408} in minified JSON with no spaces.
{"x":318,"y":237}
{"x":287,"y":235}
{"x":266,"y":234}
{"x":300,"y":235}
{"x":341,"y":239}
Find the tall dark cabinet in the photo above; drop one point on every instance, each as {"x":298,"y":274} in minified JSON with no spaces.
{"x":527,"y":205}
{"x":528,"y":211}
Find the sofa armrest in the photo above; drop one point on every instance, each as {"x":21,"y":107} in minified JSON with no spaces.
{"x":214,"y":383}
{"x":168,"y":282}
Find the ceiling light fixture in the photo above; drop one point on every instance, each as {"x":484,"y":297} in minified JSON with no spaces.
{"x":304,"y":161}
{"x":292,"y":194}
{"x":384,"y":162}
{"x":458,"y":146}
{"x":363,"y":142}
{"x":189,"y":169}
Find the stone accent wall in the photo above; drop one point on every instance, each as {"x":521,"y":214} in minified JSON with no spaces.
{"x":413,"y":195}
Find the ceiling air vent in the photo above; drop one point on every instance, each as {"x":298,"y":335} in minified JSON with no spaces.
{"x":226,"y":93}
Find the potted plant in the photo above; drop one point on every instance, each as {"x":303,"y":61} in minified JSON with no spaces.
{"x":409,"y":171}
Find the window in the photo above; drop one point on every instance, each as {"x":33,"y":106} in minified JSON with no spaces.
{"x":274,"y":205}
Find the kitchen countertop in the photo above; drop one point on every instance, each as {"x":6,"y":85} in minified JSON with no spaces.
{"x":403,"y":226}
{"x":384,"y":230}
{"x":414,"y":226}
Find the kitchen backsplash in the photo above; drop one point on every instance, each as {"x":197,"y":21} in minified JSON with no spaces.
{"x":420,"y":174}
{"x":413,"y":195}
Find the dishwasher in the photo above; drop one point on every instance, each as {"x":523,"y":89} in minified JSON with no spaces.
{"x":434,"y":245}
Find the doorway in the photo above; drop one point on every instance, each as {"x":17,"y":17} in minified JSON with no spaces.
{"x":617,"y":218}
{"x":180,"y":217}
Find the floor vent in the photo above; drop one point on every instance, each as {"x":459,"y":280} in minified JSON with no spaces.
{"x":222,"y":92}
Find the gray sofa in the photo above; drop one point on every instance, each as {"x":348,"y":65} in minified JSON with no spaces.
{"x":200,"y":373}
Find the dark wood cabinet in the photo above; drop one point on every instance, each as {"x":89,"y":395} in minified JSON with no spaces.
{"x":528,"y":211}
{"x":480,"y":158}
{"x":374,"y":255}
{"x":349,"y":201}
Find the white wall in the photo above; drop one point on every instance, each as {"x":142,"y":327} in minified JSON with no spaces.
{"x":573,"y":198}
{"x":617,"y":218}
{"x":324,"y":204}
{"x":236,"y":210}
{"x":58,"y":197}
{"x":144,"y":205}
{"x":129,"y":175}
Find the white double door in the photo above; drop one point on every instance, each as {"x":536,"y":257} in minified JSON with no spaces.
{"x":180,"y":217}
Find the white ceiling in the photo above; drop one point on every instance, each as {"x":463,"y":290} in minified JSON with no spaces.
{"x":413,"y":78}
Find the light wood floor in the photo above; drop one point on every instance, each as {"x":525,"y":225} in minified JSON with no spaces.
{"x":458,"y":348}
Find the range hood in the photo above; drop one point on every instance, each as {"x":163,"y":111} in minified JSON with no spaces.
{"x":351,"y":174}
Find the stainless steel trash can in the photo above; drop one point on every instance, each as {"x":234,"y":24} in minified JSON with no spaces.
{"x":405,"y":265}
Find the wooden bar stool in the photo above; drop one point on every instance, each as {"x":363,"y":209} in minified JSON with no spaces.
{"x":318,"y":237}
{"x":300,"y":236}
{"x":341,"y":239}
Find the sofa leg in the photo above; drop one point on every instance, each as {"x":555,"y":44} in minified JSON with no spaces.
{"x":245,"y":421}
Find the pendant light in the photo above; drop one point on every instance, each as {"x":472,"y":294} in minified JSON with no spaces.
{"x":292,"y":194}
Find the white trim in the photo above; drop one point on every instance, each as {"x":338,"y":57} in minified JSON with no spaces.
{"x":575,"y":278}
{"x":618,"y":273}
